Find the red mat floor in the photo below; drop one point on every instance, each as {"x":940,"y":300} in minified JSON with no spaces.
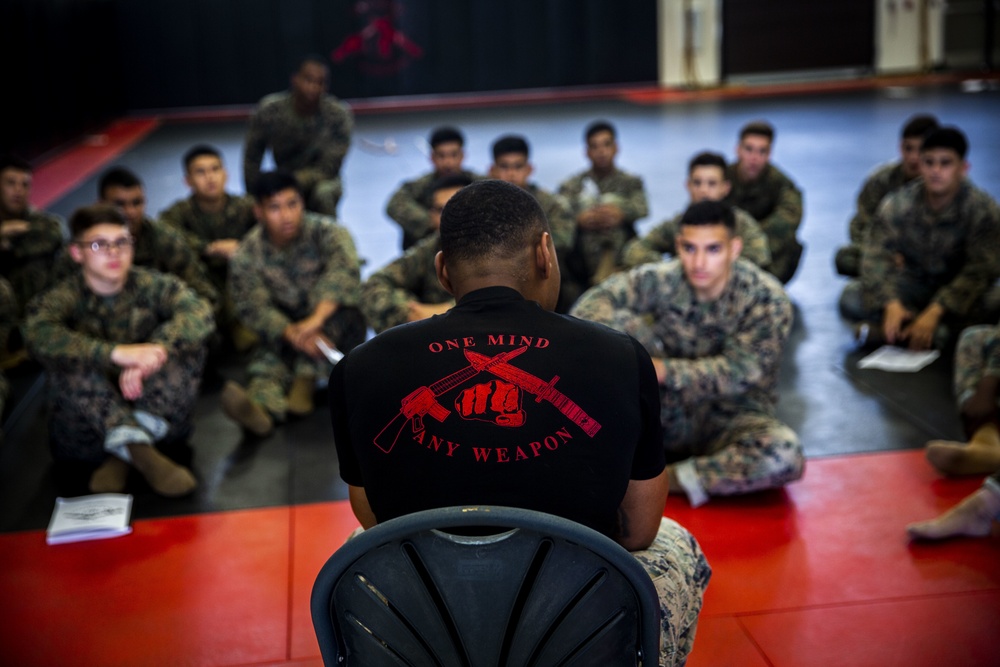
{"x":820,"y":574}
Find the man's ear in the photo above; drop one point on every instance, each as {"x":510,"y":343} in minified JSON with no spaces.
{"x":727,"y":185}
{"x":442,"y":272}
{"x":545,"y":255}
{"x":76,"y":252}
{"x":735,"y":248}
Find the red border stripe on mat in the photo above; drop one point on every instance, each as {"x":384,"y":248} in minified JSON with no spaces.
{"x":55,"y":177}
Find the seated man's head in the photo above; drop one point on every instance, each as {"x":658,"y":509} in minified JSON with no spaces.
{"x":309,"y":82}
{"x":102,"y":245}
{"x":123,"y":189}
{"x":707,"y":180}
{"x":942,"y":161}
{"x":447,"y":151}
{"x":495,"y":234}
{"x":707,"y":247}
{"x":279,"y":206}
{"x":510,"y":160}
{"x":442,"y":190}
{"x":204,"y":173}
{"x":602,"y":145}
{"x":15,"y":186}
{"x":753,"y":152}
{"x":912,"y":136}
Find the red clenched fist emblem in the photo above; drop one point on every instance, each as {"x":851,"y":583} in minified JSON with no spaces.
{"x":496,"y":401}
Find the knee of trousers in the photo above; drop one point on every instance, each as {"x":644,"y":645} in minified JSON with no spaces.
{"x":851,"y":303}
{"x":784,"y":460}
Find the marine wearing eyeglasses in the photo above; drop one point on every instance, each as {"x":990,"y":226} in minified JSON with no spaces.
{"x":155,"y":245}
{"x":123,"y":348}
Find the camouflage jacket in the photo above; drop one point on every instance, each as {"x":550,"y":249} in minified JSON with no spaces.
{"x":625,"y":190}
{"x":885,"y":179}
{"x":953,"y":251}
{"x":660,"y":240}
{"x":775,"y":203}
{"x":161,"y":247}
{"x":200,"y":228}
{"x":69,"y":325}
{"x":727,"y":350}
{"x":27,"y":261}
{"x":412,"y":277}
{"x":312,"y":148}
{"x":409,"y":206}
{"x":8,"y":315}
{"x":561,"y":222}
{"x":273,"y":287}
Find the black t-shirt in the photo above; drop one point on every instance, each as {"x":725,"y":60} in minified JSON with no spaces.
{"x":498,"y":402}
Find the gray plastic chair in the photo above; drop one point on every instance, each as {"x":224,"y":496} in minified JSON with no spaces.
{"x":535,"y":590}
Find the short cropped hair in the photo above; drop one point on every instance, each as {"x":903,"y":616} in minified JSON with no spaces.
{"x":198,"y":151}
{"x":707,"y":159}
{"x":97,"y":214}
{"x":709,"y":213}
{"x":270,"y":183}
{"x":490,"y":219}
{"x":445,"y":135}
{"x":758,"y":127}
{"x":117,"y":177}
{"x":918,"y":126}
{"x":312,"y":58}
{"x":599,"y":126}
{"x":450,"y":181}
{"x":11,"y":161}
{"x":510,"y":143}
{"x":946,"y":137}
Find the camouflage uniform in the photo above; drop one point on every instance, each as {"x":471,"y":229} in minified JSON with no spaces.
{"x":312,"y":148}
{"x":8,"y":323}
{"x":412,"y":277}
{"x":660,"y":240}
{"x":27,"y":263}
{"x":680,"y":573}
{"x":776,"y":204}
{"x":563,"y":229}
{"x":161,"y":247}
{"x":977,"y":356}
{"x":722,"y":359}
{"x":887,"y":178}
{"x":72,"y":332}
{"x":597,"y":251}
{"x":274,"y":287}
{"x":200,"y":228}
{"x":921,"y":256}
{"x":409,"y":206}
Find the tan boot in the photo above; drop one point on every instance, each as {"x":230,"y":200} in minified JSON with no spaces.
{"x":109,"y":477}
{"x":166,"y":477}
{"x":238,"y":406}
{"x":300,"y":396}
{"x":243,"y":339}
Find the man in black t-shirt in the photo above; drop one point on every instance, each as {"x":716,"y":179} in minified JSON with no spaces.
{"x":500,"y":401}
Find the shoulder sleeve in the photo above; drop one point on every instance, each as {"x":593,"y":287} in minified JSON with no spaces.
{"x":649,"y":459}
{"x":347,"y":460}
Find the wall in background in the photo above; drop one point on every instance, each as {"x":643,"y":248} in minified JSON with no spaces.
{"x":62,"y":71}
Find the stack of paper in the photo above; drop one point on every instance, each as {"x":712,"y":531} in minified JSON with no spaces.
{"x":94,"y":517}
{"x":898,"y":359}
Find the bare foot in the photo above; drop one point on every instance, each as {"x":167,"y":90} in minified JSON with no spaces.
{"x":973,"y":517}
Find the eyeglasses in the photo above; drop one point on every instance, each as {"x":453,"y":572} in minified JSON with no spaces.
{"x":103,"y":247}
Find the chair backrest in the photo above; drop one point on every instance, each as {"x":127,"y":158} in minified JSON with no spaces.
{"x":536,"y":589}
